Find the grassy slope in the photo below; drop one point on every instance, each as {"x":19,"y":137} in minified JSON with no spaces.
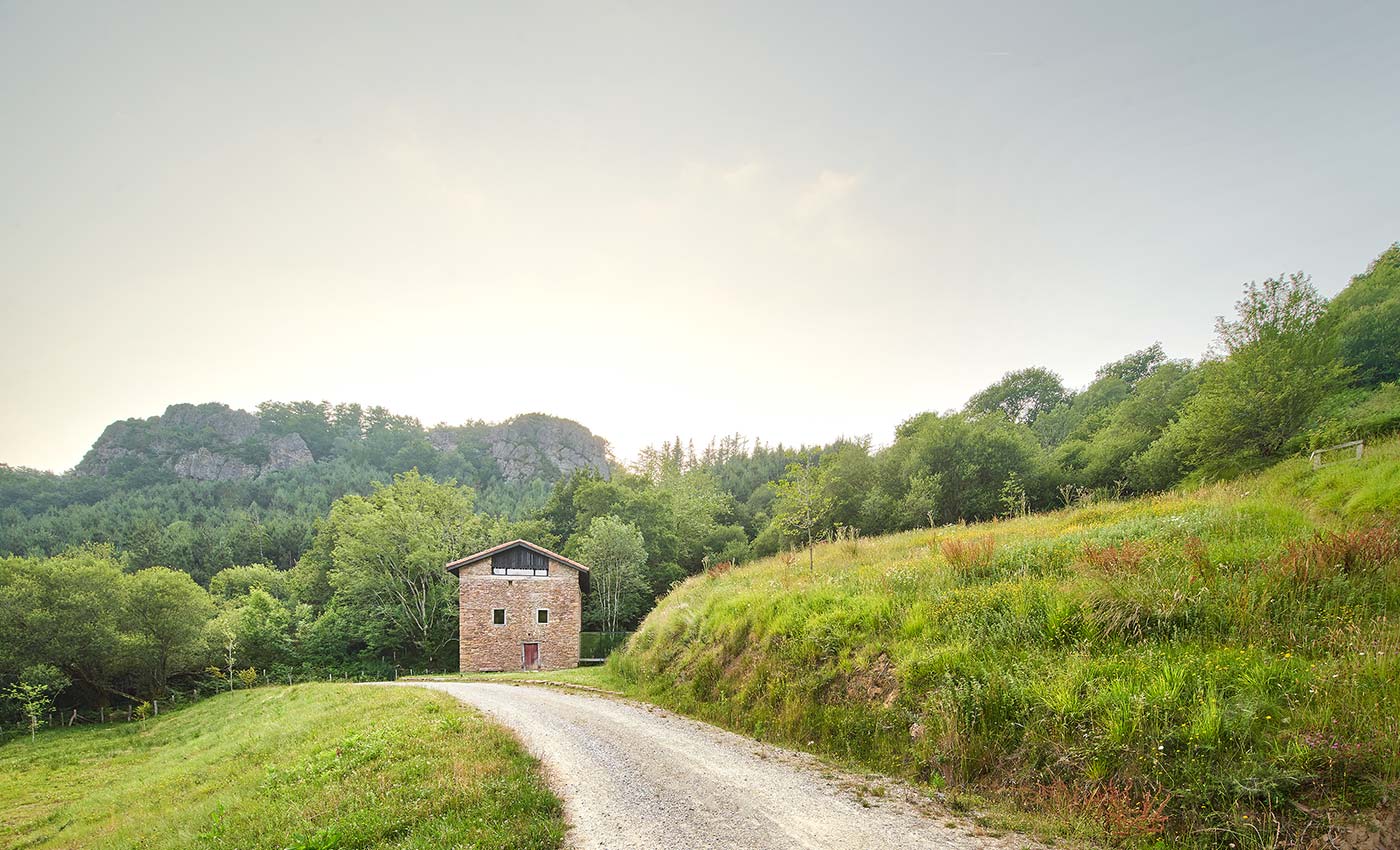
{"x":1160,"y":664}
{"x":311,"y":766}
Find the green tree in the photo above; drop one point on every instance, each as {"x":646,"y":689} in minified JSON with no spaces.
{"x":614,"y":552}
{"x":66,"y":611}
{"x":920,"y":504}
{"x":1013,"y":496}
{"x":1279,"y":362}
{"x":972,"y":457}
{"x":1131,"y":427}
{"x":35,"y":692}
{"x":848,"y":472}
{"x":1366,"y":316}
{"x":262,"y":629}
{"x":1132,"y":368}
{"x":387,"y":552}
{"x":801,"y":504}
{"x":235,"y":582}
{"x":223,"y":632}
{"x":167,"y":615}
{"x":1022,"y":395}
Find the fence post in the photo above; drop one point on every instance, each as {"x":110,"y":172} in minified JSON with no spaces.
{"x":155,"y":703}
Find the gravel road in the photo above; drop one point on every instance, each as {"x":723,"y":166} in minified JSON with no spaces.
{"x":633,"y":776}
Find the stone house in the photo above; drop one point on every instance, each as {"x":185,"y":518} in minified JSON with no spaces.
{"x":521,"y":608}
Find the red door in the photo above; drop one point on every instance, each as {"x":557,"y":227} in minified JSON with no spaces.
{"x":532,"y":656}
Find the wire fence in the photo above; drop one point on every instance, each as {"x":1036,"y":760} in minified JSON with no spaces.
{"x":128,"y":711}
{"x":594,"y":648}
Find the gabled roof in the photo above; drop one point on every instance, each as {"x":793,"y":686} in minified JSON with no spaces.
{"x":486,"y":553}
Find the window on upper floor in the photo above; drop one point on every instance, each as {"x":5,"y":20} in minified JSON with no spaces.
{"x":541,"y":615}
{"x":498,"y":616}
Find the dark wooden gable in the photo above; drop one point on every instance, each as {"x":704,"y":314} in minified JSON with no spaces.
{"x":519,"y":561}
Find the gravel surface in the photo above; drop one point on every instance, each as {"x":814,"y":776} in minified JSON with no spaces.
{"x":634,"y":776}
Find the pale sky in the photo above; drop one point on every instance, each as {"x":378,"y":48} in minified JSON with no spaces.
{"x":795,"y":221}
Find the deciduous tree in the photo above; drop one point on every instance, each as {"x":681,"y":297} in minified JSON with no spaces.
{"x":166,"y":613}
{"x":801,"y":504}
{"x":615,"y":554}
{"x":387,"y":552}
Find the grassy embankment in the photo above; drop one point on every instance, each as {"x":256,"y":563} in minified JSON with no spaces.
{"x":311,"y":767}
{"x":1220,"y":667}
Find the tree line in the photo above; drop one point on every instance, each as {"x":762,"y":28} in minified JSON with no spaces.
{"x":324,"y":571}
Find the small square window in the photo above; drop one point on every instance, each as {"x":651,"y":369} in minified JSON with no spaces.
{"x":542,"y":616}
{"x":498,"y":616}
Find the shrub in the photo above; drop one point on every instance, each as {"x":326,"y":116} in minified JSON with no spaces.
{"x":1119,"y":811}
{"x":1198,"y":556}
{"x":1328,"y":553}
{"x":719,"y":568}
{"x":964,"y":556}
{"x":1114,"y":559}
{"x":1371,"y":417}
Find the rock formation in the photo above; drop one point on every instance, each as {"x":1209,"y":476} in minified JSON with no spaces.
{"x":214,"y":442}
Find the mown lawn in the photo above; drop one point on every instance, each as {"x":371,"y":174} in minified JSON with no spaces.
{"x":1214,"y":668}
{"x":316,"y":766}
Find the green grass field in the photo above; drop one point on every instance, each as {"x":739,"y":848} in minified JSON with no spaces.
{"x":1215,"y":668}
{"x":311,"y":767}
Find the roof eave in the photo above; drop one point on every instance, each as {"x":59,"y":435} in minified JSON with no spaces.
{"x":486,"y":553}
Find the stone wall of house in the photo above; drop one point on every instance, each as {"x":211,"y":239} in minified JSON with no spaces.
{"x":486,"y":646}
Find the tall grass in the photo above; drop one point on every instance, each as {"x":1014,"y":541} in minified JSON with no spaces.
{"x":1210,"y":667}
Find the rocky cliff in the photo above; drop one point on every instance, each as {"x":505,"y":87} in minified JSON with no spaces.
{"x":531,"y":446}
{"x":203,"y":442}
{"x":214,"y":442}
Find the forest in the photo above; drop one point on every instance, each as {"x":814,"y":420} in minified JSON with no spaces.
{"x":128,"y":583}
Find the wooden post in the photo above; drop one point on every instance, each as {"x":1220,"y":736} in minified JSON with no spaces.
{"x":156,"y":704}
{"x":101,"y":714}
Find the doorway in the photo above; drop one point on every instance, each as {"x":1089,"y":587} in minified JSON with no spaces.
{"x":531,"y":657}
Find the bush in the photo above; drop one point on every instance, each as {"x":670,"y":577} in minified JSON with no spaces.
{"x":967,"y":555}
{"x":1347,"y":553}
{"x":1114,"y":559}
{"x":1368,"y":417}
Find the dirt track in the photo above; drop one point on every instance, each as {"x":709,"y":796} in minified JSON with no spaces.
{"x":632,"y":777}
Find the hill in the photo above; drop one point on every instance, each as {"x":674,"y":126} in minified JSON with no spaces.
{"x":311,"y":766}
{"x":1220,"y":665}
{"x":213,"y":442}
{"x":207,"y":486}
